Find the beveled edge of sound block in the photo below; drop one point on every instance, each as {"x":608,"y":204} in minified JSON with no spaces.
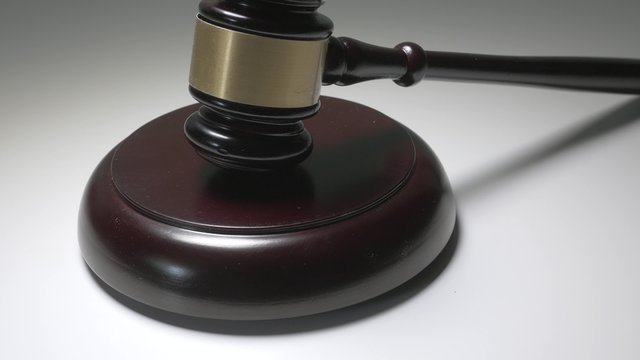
{"x":257,"y":276}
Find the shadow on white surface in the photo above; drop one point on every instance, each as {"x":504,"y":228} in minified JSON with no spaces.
{"x":307,"y":323}
{"x":614,"y":119}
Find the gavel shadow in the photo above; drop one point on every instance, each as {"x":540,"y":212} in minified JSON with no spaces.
{"x":614,"y":119}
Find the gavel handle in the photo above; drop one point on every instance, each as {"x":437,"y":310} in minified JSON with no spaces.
{"x":350,"y":61}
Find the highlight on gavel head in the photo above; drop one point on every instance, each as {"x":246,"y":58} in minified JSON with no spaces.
{"x":257,"y":70}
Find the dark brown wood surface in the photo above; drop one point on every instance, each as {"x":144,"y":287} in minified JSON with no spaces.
{"x":351,"y":61}
{"x":369,"y":209}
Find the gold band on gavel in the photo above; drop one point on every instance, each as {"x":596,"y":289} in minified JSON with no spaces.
{"x":256,"y":70}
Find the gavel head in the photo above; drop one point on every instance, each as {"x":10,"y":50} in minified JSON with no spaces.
{"x":257,"y":70}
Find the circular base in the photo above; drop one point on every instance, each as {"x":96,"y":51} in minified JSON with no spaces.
{"x":369,"y":209}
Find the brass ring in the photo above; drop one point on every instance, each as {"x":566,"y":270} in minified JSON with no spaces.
{"x":256,"y":70}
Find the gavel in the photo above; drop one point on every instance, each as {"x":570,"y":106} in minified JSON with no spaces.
{"x":282,"y":226}
{"x":258,"y":66}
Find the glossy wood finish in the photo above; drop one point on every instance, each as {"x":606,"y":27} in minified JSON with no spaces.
{"x":235,"y":143}
{"x":290,"y":19}
{"x":355,"y":165}
{"x":369,"y":209}
{"x":351,"y":61}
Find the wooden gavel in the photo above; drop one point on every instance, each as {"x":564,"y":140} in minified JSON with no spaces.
{"x":364,"y":212}
{"x":258,"y":66}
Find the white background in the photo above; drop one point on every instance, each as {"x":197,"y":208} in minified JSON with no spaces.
{"x":546,"y":264}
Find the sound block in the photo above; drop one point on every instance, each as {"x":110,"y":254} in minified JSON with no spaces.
{"x":370,"y":208}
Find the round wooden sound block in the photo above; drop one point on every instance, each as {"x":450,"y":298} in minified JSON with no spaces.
{"x":369,"y":209}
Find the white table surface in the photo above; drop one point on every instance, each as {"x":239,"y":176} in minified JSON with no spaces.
{"x":547,"y":261}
